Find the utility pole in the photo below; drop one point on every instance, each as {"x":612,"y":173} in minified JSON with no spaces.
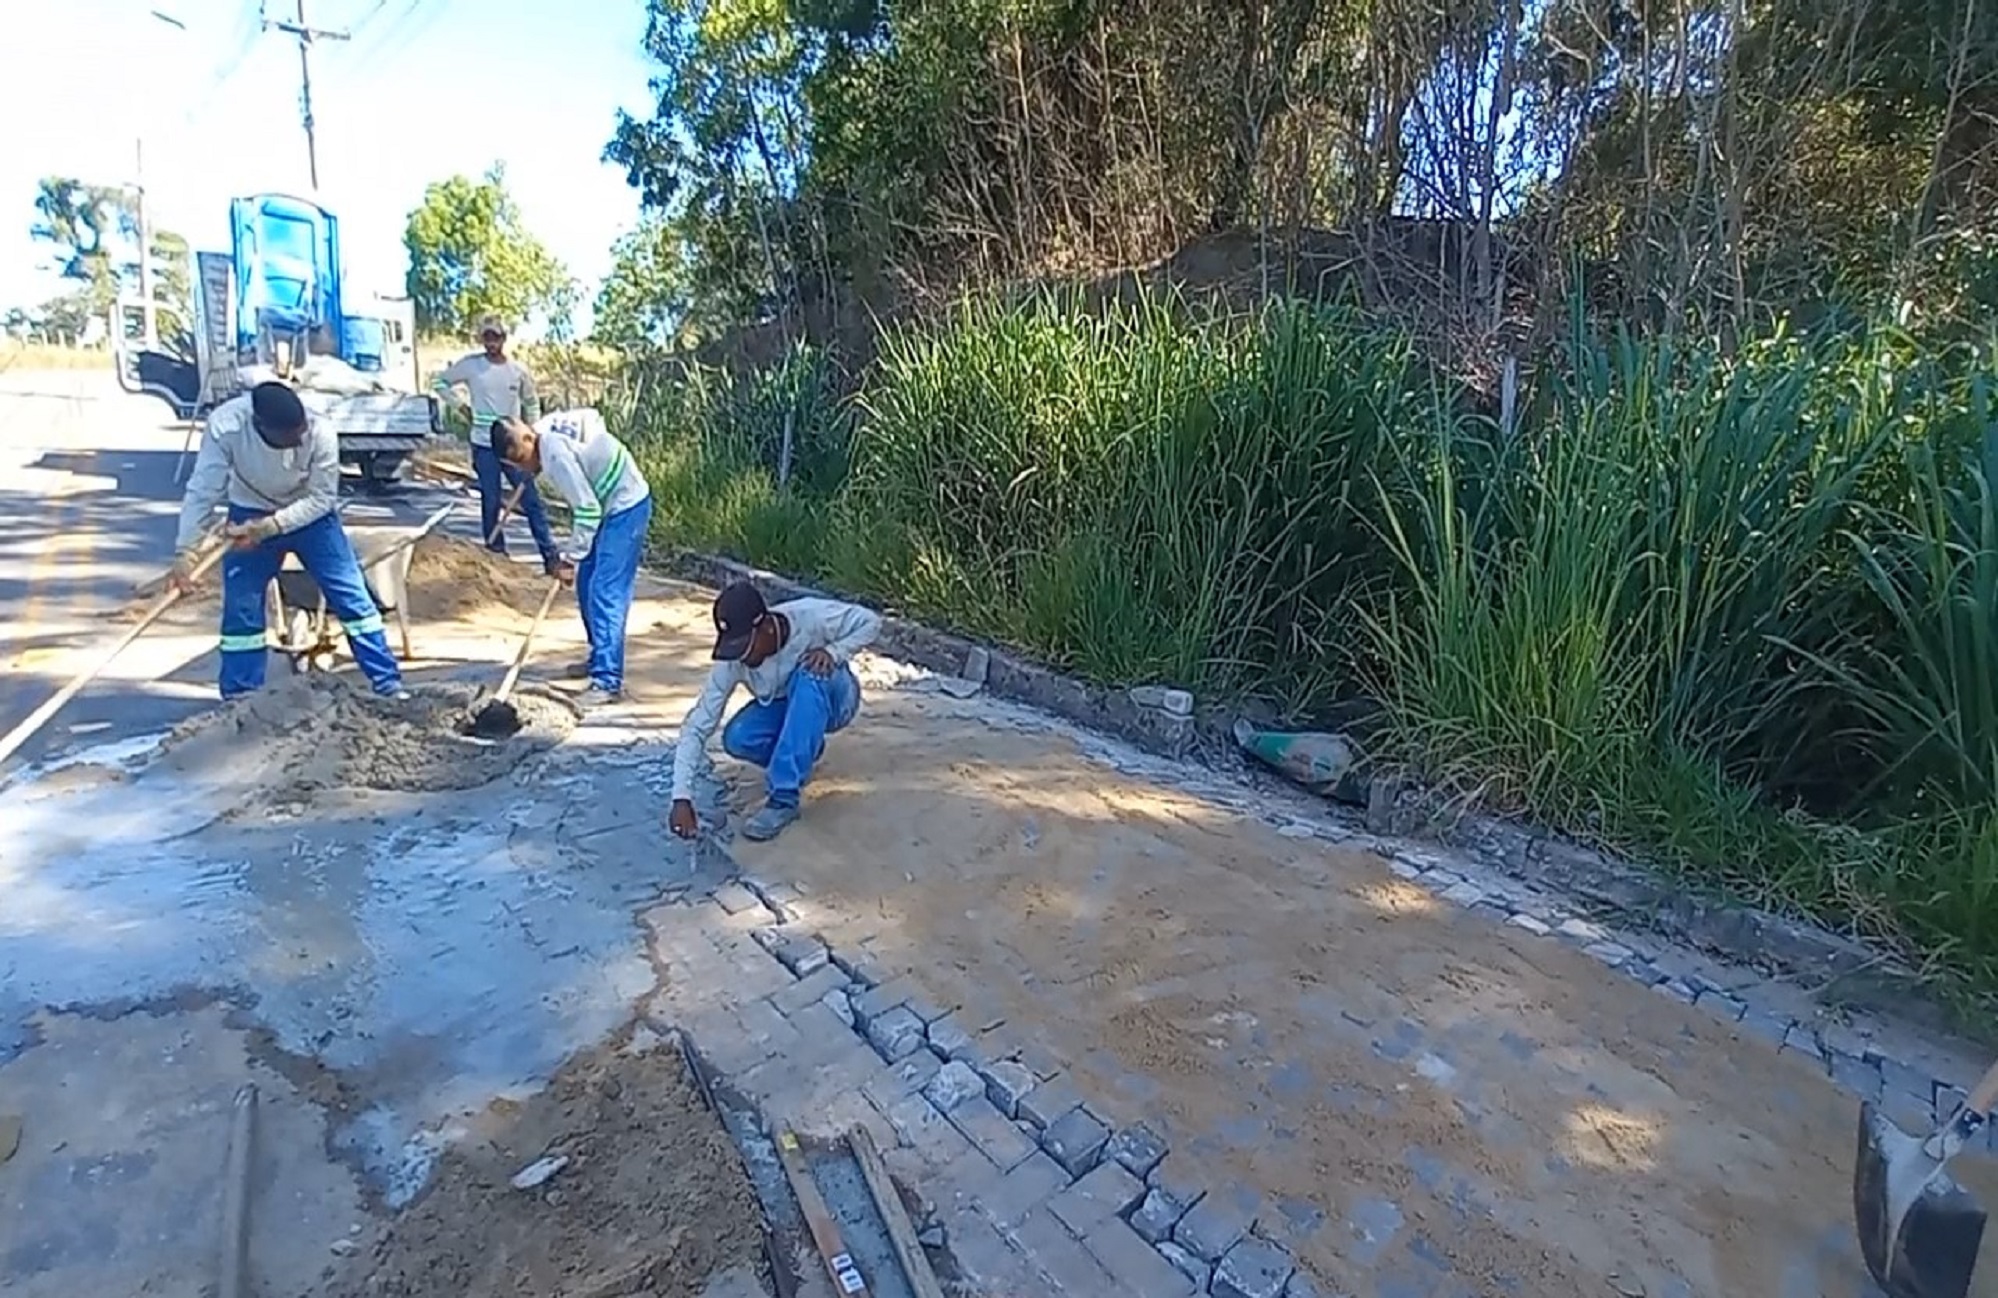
{"x":149,"y":304}
{"x":305,"y":36}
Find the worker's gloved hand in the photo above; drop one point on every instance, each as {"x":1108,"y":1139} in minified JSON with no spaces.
{"x":251,"y":534}
{"x":180,"y":577}
{"x":563,"y":571}
{"x":818,"y":663}
{"x":682,"y":820}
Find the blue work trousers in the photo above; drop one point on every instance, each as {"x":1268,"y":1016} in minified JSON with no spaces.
{"x":604,"y":582}
{"x":322,"y":547}
{"x":493,"y":472}
{"x":787,"y":736}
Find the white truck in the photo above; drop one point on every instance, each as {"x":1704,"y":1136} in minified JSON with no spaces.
{"x":275,"y":304}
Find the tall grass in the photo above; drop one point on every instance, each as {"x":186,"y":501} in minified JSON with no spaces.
{"x":1737,"y":611}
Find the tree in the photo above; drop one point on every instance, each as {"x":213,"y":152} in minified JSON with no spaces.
{"x":470,"y":254}
{"x":82,"y":222}
{"x":94,"y":231}
{"x":645,"y":300}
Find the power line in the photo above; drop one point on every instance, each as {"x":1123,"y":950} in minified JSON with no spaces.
{"x":306,"y":36}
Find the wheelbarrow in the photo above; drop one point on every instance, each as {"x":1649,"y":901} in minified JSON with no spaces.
{"x":306,"y":632}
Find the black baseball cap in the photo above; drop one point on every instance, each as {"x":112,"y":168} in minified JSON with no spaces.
{"x":278,"y":415}
{"x":737,"y":609}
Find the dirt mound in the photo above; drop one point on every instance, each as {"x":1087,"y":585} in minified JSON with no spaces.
{"x":450,"y":577}
{"x":652,"y":1199}
{"x":306,"y":734}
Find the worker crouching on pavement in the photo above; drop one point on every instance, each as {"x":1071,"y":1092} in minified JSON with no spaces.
{"x":278,"y":471}
{"x":610,"y":505}
{"x":794,"y":658}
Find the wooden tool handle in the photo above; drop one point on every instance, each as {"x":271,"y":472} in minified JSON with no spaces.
{"x":40,"y":716}
{"x":1984,"y":1095}
{"x":506,"y":511}
{"x":526,"y":643}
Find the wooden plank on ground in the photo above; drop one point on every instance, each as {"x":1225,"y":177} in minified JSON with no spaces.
{"x":825,"y":1232}
{"x":901,"y":1231}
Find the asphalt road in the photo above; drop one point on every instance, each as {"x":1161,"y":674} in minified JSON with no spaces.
{"x":90,"y":488}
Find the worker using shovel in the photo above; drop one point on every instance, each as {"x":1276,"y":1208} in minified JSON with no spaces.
{"x":610,"y":507}
{"x":278,"y":471}
{"x":794,"y":658}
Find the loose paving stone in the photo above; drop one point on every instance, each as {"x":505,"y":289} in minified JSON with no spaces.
{"x":1008,"y":1198}
{"x":1187,"y":1265}
{"x":1613,"y":954}
{"x":901,"y":1079}
{"x":1253,"y":1268}
{"x":1531,"y":923}
{"x":1156,"y":1216}
{"x":1061,"y":1258}
{"x":1104,"y":1194}
{"x":881,"y":998}
{"x":1137,"y":1150}
{"x":1075,"y":1140}
{"x":1800,"y":1039}
{"x":735,"y":899}
{"x":988,"y":1129}
{"x":1583,"y":931}
{"x":1049,"y":1102}
{"x":841,"y":1006}
{"x":984,"y":1257}
{"x":953,"y":1085}
{"x":808,"y":990}
{"x":1730,"y":1008}
{"x":861,"y":969}
{"x":897,"y":1034}
{"x":1215,"y":1224}
{"x":1768,"y":1026}
{"x":1135,"y":1263}
{"x":924,"y":1008}
{"x":949,"y":1040}
{"x":1005,"y":1082}
{"x":803,"y":955}
{"x":927,"y":1132}
{"x":1857,"y":1076}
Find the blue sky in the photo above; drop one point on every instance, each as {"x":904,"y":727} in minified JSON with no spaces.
{"x":425,"y":89}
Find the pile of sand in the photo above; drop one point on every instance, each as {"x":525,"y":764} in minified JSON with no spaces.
{"x":450,"y":577}
{"x":652,"y":1200}
{"x":310,"y":733}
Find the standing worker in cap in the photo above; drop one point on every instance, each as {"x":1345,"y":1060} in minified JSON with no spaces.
{"x":501,"y":388}
{"x":610,"y":506}
{"x":278,"y":471}
{"x":794,"y":658}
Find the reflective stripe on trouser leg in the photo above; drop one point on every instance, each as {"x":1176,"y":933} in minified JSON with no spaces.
{"x":606,"y":599}
{"x":323,"y":548}
{"x":246,"y":579}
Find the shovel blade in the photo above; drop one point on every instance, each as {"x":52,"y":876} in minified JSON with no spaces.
{"x":1919,"y":1231}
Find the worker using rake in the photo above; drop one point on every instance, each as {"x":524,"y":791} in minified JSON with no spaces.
{"x":278,"y":472}
{"x":610,"y":507}
{"x":794,"y":658}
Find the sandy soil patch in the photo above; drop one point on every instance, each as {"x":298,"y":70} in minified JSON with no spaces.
{"x":651,"y":1201}
{"x":1301,"y":1021}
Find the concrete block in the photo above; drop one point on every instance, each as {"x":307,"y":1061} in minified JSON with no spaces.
{"x":1014,"y":1194}
{"x":1049,"y":1102}
{"x":1215,"y":1224}
{"x":1103,"y":1195}
{"x":881,"y":998}
{"x":1059,"y":1256}
{"x":802,"y":954}
{"x":1137,"y":1149}
{"x":1075,"y":1140}
{"x":949,"y":1040}
{"x":808,"y":990}
{"x":1134,"y":1263}
{"x":1005,"y":1082}
{"x":1254,"y":1268}
{"x":901,"y":1079}
{"x":989,"y":1131}
{"x":953,"y":1085}
{"x":1157,"y":1214}
{"x":927,"y":1132}
{"x":897,"y":1034}
{"x":1187,"y":1265}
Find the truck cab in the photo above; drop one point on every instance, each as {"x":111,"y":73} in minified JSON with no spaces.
{"x":275,"y":303}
